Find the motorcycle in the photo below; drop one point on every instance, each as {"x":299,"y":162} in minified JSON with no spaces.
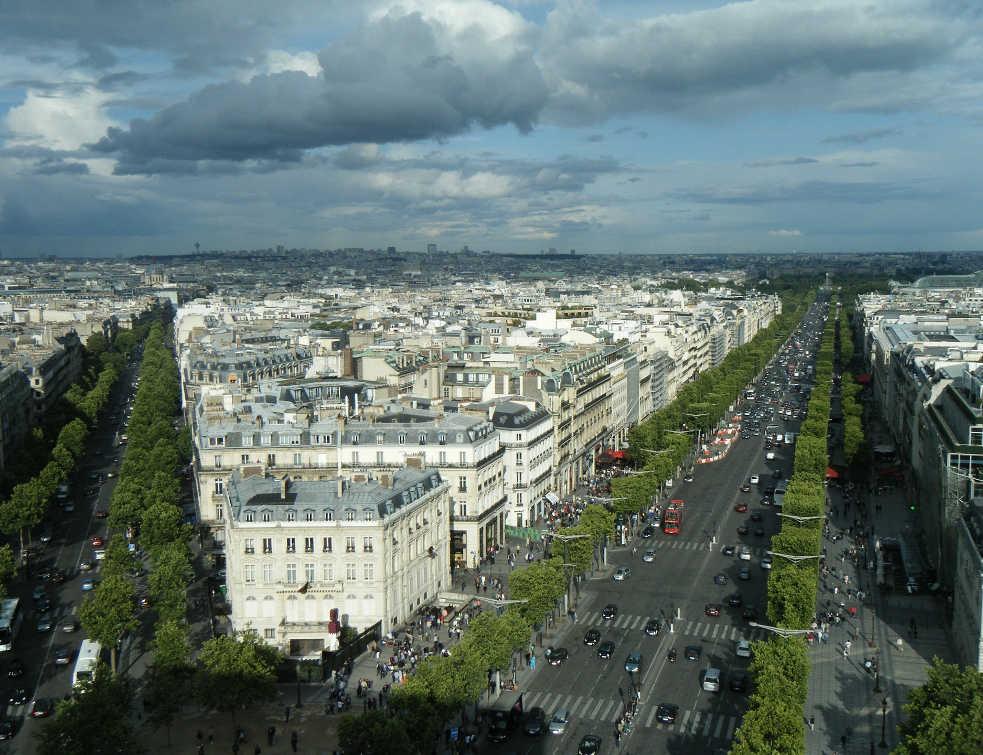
{"x":672,"y":656}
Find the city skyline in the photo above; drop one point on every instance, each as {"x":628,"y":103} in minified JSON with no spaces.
{"x":697,"y":127}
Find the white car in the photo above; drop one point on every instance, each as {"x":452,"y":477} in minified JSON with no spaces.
{"x":754,"y":479}
{"x":745,"y":554}
{"x":622,"y":573}
{"x":766,"y":562}
{"x":558,"y":724}
{"x":770,"y":456}
{"x":649,"y":556}
{"x":743,"y":649}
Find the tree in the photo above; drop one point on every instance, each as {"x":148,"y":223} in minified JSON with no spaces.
{"x":168,"y":580}
{"x":7,"y":567}
{"x":165,"y":692}
{"x":945,"y":714}
{"x":541,"y":585}
{"x":109,"y":612}
{"x":375,"y":733}
{"x":161,"y":524}
{"x":96,"y":722}
{"x":171,"y":646}
{"x":235,"y":673}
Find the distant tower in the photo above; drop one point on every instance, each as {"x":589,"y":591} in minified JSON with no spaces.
{"x":197,"y":248}
{"x":431,"y":249}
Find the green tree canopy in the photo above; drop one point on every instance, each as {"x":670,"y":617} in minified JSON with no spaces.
{"x":234,"y":673}
{"x":945,"y":714}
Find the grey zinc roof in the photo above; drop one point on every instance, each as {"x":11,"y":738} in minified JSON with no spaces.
{"x":321,"y":496}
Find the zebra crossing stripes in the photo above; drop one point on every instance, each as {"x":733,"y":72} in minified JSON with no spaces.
{"x":708,"y":631}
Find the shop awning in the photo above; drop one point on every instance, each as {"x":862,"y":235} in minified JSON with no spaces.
{"x":832,"y":474}
{"x":551,"y":497}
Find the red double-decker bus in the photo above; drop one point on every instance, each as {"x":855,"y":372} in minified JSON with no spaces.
{"x":672,"y":517}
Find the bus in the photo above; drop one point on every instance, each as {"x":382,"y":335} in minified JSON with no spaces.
{"x":85,"y":664}
{"x":672,"y":517}
{"x":11,"y":617}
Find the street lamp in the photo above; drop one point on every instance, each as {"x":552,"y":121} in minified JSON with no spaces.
{"x":790,"y":557}
{"x":781,"y":631}
{"x":883,"y":723}
{"x":799,"y":518}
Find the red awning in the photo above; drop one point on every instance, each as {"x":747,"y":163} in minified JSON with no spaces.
{"x":863,"y":378}
{"x":618,"y":454}
{"x":832,"y":474}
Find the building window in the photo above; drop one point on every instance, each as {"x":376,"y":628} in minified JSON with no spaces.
{"x":298,"y":460}
{"x":380,"y":457}
{"x":219,"y":486}
{"x":354,"y":439}
{"x":368,"y":572}
{"x":462,"y":484}
{"x":218,"y":462}
{"x":380,"y":439}
{"x":291,"y":545}
{"x":349,"y":515}
{"x":309,"y":515}
{"x":328,"y":571}
{"x":367,"y":544}
{"x":368,"y":515}
{"x":401,"y":438}
{"x":423,"y":439}
{"x":350,"y":572}
{"x":441,"y":438}
{"x":309,"y":572}
{"x":267,"y":545}
{"x":462,"y":509}
{"x":271,"y":460}
{"x":326,"y":546}
{"x":244,"y":459}
{"x":349,"y":545}
{"x":976,"y":436}
{"x":248,"y":516}
{"x":462,"y":457}
{"x":267,"y":516}
{"x":308,"y":545}
{"x":291,"y":515}
{"x":219,"y":512}
{"x":518,"y":437}
{"x":518,"y":478}
{"x":291,"y":574}
{"x":329,"y":516}
{"x":518,"y":457}
{"x":442,"y":458}
{"x":269,"y":633}
{"x":249,"y":574}
{"x":249,"y":545}
{"x":354,"y":457}
{"x":267,"y":574}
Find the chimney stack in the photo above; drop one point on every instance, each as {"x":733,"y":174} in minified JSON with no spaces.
{"x":284,"y":485}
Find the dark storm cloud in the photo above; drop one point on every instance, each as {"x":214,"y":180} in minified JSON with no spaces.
{"x":789,"y":161}
{"x":55,"y":167}
{"x":862,"y":137}
{"x":414,"y":89}
{"x":72,"y":211}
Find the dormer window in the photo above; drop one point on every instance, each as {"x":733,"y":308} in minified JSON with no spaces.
{"x":354,"y":439}
{"x":291,"y":515}
{"x":248,"y":516}
{"x":329,"y":515}
{"x":267,"y":516}
{"x":380,"y":438}
{"x":401,"y":438}
{"x":441,"y":438}
{"x":423,"y":439}
{"x":368,"y":515}
{"x":309,"y":515}
{"x":349,"y":515}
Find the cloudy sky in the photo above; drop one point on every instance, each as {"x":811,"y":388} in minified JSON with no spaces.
{"x":136,"y":126}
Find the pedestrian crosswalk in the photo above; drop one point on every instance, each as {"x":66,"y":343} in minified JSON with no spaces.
{"x":709,"y":630}
{"x":707,"y":725}
{"x":675,"y":543}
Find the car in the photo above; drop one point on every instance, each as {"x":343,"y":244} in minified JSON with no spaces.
{"x":734,"y":600}
{"x":743,"y":649}
{"x":53,"y":575}
{"x":18,"y":697}
{"x":749,"y":614}
{"x":754,"y":479}
{"x":556,"y":656}
{"x":16,"y":668}
{"x":621,"y":574}
{"x":745,"y":488}
{"x":652,"y":627}
{"x":605,"y":650}
{"x":44,"y":536}
{"x":745,"y":554}
{"x":711,"y":680}
{"x":720,"y":579}
{"x":633,"y":663}
{"x":743,"y":529}
{"x":70,"y":624}
{"x":738,"y":681}
{"x":728,"y":550}
{"x":97,"y":542}
{"x":101,"y":513}
{"x":110,"y":474}
{"x":740,"y":508}
{"x":592,"y":637}
{"x":63,"y":656}
{"x":766,"y":562}
{"x":777,"y":474}
{"x":756,"y":516}
{"x":759,"y":532}
{"x":39,"y":592}
{"x":765,"y":501}
{"x":498,"y":727}
{"x":68,"y":507}
{"x":7,"y":729}
{"x":688,"y":477}
{"x":770,"y":456}
{"x":589,"y":745}
{"x":693,"y":652}
{"x":712,"y":609}
{"x":609,"y":612}
{"x":648,"y":532}
{"x":649,"y":556}
{"x":666,"y":713}
{"x":535,"y":722}
{"x":42,"y":707}
{"x":86,"y":565}
{"x":45,"y":623}
{"x":43,"y":604}
{"x":92,"y":490}
{"x":88,"y":585}
{"x":143,"y":601}
{"x":558,"y":724}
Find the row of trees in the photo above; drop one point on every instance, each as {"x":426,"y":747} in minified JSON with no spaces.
{"x":664,"y":440}
{"x":774,"y":721}
{"x":444,"y":686}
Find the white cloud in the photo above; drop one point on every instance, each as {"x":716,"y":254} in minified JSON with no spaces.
{"x":61,"y":121}
{"x":785,"y":232}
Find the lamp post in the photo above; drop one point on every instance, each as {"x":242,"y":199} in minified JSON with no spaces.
{"x":883,"y":723}
{"x":877,"y":675}
{"x":790,"y":556}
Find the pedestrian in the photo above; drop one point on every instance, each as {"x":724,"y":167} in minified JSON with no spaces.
{"x":812,"y":723}
{"x":286,"y":714}
{"x":900,"y":644}
{"x":270,"y":735}
{"x":201,"y":749}
{"x":257,"y":750}
{"x":293,"y":741}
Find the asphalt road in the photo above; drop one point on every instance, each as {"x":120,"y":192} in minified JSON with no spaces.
{"x":70,"y":545}
{"x":677,"y":585}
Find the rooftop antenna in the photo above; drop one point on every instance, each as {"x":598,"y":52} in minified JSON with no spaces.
{"x":197,"y":248}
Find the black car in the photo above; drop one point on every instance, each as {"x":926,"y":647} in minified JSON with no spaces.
{"x":756,"y":516}
{"x":498,"y":727}
{"x":589,"y":745}
{"x":648,"y":532}
{"x":743,"y":529}
{"x":666,"y":713}
{"x":738,"y":681}
{"x":592,"y":637}
{"x":43,"y":604}
{"x":609,"y":612}
{"x":728,"y":550}
{"x":652,"y":627}
{"x":7,"y":729}
{"x":693,"y":652}
{"x":749,"y":614}
{"x":720,"y":579}
{"x":42,"y":707}
{"x":535,"y":722}
{"x":556,"y":656}
{"x":63,"y":656}
{"x":18,"y":697}
{"x":605,"y":649}
{"x":16,"y":668}
{"x":759,"y":532}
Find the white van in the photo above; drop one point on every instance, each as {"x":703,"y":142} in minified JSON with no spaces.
{"x":711,"y":680}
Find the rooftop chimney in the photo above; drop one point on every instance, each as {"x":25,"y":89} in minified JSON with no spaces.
{"x":284,"y":486}
{"x":386,"y":480}
{"x":414,"y":462}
